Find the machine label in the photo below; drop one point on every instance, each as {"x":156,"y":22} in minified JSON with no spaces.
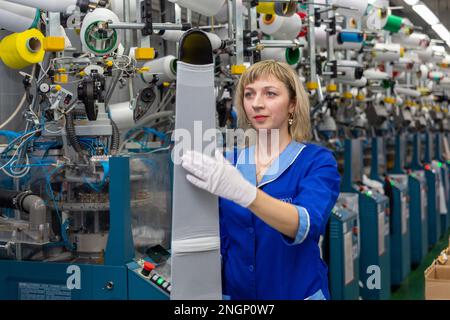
{"x":348,"y":253}
{"x":43,"y":291}
{"x":381,"y":229}
{"x":424,"y":204}
{"x":405,"y":215}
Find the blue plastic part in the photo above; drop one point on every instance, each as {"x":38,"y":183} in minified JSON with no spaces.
{"x":418,"y":217}
{"x":434,"y":222}
{"x":416,"y":156}
{"x":120,"y":248}
{"x":339,"y":289}
{"x":25,"y":280}
{"x":346,"y":36}
{"x":400,"y":238}
{"x":378,"y":153}
{"x":369,"y":210}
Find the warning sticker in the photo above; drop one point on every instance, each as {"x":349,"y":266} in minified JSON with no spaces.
{"x":43,"y":291}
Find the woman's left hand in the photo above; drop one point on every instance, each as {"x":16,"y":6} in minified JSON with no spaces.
{"x":218,"y":176}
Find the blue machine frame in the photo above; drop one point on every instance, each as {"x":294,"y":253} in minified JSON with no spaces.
{"x":374,"y":228}
{"x":397,"y":183}
{"x":118,"y":278}
{"x":419,"y":194}
{"x":434,"y":220}
{"x":343,"y":251}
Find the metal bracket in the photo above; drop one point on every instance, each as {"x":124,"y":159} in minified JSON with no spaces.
{"x":146,"y":15}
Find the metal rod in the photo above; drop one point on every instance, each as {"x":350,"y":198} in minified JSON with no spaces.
{"x":219,"y":26}
{"x":312,"y":44}
{"x":282,"y":42}
{"x":157,"y":26}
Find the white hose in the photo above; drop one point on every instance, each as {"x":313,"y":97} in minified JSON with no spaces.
{"x":17,"y":18}
{"x":48,"y":5}
{"x":19,"y":106}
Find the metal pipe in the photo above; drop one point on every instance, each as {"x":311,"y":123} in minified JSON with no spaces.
{"x":312,"y":44}
{"x":36,"y":207}
{"x":219,"y":26}
{"x":156,"y":26}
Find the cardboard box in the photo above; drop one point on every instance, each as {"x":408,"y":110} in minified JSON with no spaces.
{"x":437,"y":282}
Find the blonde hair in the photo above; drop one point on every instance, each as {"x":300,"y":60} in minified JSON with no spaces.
{"x":300,"y":130}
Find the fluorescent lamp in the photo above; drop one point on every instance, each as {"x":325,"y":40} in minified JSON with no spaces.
{"x":412,"y":2}
{"x":442,"y":31}
{"x":426,"y":14}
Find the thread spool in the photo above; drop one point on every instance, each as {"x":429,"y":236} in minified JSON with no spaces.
{"x":358,"y":8}
{"x":280,"y":9}
{"x":349,"y":36}
{"x":413,"y":41}
{"x":393,"y":23}
{"x":20,"y":50}
{"x":431,"y":54}
{"x":350,"y":70}
{"x":321,"y":39}
{"x":404,"y":64}
{"x":423,"y":72}
{"x":407,"y":27}
{"x":17,"y":18}
{"x":384,"y":52}
{"x":281,"y":28}
{"x":204,"y":7}
{"x":164,"y":68}
{"x":435,"y":75}
{"x":445,"y":63}
{"x":48,"y":5}
{"x":354,"y":83}
{"x":95,"y":37}
{"x":348,"y":40}
{"x":376,"y":19}
{"x":287,"y":55}
{"x":320,"y":34}
{"x":406,"y":91}
{"x":372,"y":74}
{"x":171,"y":35}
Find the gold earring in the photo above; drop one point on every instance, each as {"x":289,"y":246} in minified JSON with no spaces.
{"x":291,"y":119}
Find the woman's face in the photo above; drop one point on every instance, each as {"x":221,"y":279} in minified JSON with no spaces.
{"x":267,"y":104}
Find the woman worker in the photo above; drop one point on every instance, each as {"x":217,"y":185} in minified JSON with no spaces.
{"x":275,"y":200}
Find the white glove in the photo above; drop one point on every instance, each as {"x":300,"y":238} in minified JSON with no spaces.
{"x":218,"y":176}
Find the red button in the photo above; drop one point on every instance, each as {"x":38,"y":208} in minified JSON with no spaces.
{"x":149,"y":266}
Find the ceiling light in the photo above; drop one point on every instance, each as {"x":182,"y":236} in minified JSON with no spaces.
{"x":442,"y":31}
{"x":426,"y":14}
{"x":412,"y":2}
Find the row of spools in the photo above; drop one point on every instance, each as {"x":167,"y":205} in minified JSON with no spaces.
{"x":279,"y":21}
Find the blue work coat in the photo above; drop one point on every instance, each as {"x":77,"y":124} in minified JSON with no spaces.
{"x":259,"y":262}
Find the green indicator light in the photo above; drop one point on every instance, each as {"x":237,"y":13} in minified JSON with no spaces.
{"x":440,"y":164}
{"x":160,"y":281}
{"x":392,"y":183}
